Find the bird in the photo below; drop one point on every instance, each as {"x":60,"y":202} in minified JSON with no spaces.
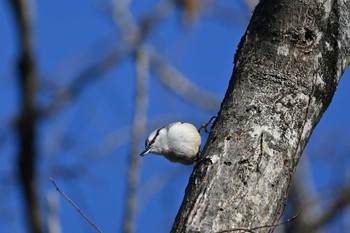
{"x":178,"y":142}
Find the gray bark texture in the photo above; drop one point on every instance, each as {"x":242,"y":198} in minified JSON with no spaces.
{"x":287,"y":68}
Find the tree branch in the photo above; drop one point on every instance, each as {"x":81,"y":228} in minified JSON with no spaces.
{"x":181,"y":85}
{"x":339,"y":203}
{"x":75,"y":206}
{"x":131,"y":35}
{"x":139,"y":124}
{"x":64,"y":96}
{"x":253,"y":229}
{"x":27,"y":153}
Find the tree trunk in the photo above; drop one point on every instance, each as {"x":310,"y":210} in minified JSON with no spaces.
{"x":287,"y":68}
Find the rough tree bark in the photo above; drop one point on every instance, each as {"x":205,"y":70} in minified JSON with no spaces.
{"x":287,"y":68}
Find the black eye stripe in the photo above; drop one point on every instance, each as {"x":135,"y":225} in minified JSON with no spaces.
{"x":154,"y":138}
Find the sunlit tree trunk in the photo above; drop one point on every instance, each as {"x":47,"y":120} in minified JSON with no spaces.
{"x":287,"y":68}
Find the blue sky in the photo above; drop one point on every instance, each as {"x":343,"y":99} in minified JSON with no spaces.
{"x":70,"y":35}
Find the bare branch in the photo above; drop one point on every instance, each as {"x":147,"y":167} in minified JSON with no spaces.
{"x":64,"y":96}
{"x":75,"y":206}
{"x":168,"y":75}
{"x":53,"y":213}
{"x":138,"y":130}
{"x":131,"y":35}
{"x":27,"y":73}
{"x":134,"y":32}
{"x":252,"y":230}
{"x":181,"y":85}
{"x":341,"y":202}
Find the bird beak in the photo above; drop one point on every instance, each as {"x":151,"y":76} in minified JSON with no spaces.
{"x":145,"y":152}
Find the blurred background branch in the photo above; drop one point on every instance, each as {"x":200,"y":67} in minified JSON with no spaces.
{"x":182,"y":86}
{"x":26,"y":129}
{"x":139,"y":125}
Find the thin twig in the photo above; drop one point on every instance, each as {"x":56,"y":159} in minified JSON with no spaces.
{"x":252,"y":230}
{"x":75,"y":206}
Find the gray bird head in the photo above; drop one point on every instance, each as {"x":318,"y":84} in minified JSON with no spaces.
{"x":153,"y":142}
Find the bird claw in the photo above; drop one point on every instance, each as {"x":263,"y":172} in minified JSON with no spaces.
{"x":205,"y":125}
